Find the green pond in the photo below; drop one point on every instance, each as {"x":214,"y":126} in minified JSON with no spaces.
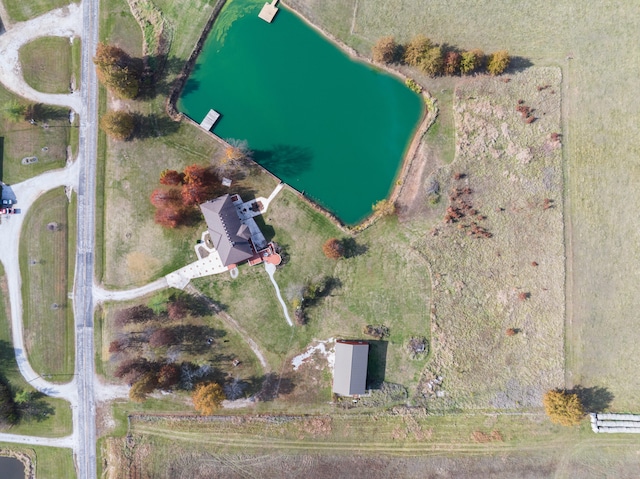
{"x":333,"y":128}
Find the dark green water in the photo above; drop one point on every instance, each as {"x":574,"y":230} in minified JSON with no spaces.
{"x":11,"y":468}
{"x":329,"y":126}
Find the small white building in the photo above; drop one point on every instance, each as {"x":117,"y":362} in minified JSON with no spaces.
{"x":350,"y":369}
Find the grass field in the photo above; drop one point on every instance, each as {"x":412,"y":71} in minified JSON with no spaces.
{"x":511,"y":168}
{"x":58,"y":422}
{"x":51,"y":463}
{"x":46,"y":278}
{"x":20,"y":11}
{"x":402,"y":443}
{"x":386,"y":282}
{"x":20,"y":139}
{"x":47,"y":64}
{"x":600,"y":124}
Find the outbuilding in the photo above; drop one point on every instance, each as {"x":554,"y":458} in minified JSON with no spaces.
{"x":350,"y":370}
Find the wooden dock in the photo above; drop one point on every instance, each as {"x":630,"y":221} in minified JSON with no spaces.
{"x":269,"y":11}
{"x":209,"y":120}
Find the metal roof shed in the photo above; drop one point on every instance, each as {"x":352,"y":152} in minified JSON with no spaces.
{"x":350,"y":370}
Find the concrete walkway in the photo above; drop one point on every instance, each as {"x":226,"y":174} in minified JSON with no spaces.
{"x":100,"y":295}
{"x":271,"y":269}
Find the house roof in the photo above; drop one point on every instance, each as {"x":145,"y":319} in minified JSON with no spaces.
{"x":229,"y":235}
{"x":350,"y":370}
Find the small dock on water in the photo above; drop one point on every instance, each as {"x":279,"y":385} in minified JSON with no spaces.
{"x":269,"y":11}
{"x":209,"y":120}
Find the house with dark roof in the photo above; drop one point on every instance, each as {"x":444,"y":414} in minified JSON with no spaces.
{"x":230,"y":236}
{"x":350,"y":368}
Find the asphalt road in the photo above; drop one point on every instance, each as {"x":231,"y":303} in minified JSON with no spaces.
{"x":85,"y":425}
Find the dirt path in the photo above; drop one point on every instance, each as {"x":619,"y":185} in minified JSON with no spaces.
{"x":63,"y":22}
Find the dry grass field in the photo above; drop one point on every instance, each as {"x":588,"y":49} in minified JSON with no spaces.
{"x":47,"y":64}
{"x":510,"y":184}
{"x":400,"y":443}
{"x":46,"y":269}
{"x":596,"y":47}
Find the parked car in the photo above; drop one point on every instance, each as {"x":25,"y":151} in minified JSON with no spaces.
{"x":6,"y":202}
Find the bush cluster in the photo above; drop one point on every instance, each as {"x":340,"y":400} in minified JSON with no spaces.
{"x":436,"y":60}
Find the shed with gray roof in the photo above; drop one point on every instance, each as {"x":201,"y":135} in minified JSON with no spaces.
{"x":350,"y":369}
{"x":229,"y":235}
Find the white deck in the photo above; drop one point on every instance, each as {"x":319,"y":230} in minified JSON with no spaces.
{"x":209,"y":120}
{"x":269,"y":11}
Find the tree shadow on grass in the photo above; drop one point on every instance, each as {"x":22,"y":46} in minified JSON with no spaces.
{"x":7,"y":356}
{"x":352,"y":248}
{"x":153,"y":126}
{"x":594,"y":399}
{"x":518,"y":64}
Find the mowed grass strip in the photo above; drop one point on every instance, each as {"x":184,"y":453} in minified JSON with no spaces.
{"x":20,"y":11}
{"x":50,"y":462}
{"x":44,"y":265}
{"x":516,"y":442}
{"x":47,"y":64}
{"x":58,"y":420}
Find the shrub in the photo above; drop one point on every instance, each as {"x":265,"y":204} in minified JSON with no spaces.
{"x":119,"y":125}
{"x":162,"y":337}
{"x":207,"y":398}
{"x":498,"y":62}
{"x":118,"y":71}
{"x":415,"y":50}
{"x":432,"y":61}
{"x":385,"y":50}
{"x":471,"y":61}
{"x":333,"y":248}
{"x":413,"y":85}
{"x":171,"y":178}
{"x":384,"y":208}
{"x":563,"y":408}
{"x":134,"y":314}
{"x":451,"y":63}
{"x":142,"y":387}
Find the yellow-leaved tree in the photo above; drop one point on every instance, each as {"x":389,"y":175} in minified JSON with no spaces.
{"x":563,"y":407}
{"x":207,"y":398}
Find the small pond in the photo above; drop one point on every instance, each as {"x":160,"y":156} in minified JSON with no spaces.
{"x":11,"y":468}
{"x":329,"y":126}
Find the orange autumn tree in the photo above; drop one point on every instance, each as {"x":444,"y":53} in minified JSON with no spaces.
{"x":176,"y":201}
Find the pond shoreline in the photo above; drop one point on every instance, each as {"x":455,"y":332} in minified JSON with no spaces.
{"x":27,"y":461}
{"x":430,"y":113}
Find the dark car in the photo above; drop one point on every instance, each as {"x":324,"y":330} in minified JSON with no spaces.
{"x":7,"y":202}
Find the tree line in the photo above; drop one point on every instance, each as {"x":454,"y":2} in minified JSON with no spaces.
{"x":435,"y":60}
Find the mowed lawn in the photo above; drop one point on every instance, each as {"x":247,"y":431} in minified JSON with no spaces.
{"x":47,"y":278}
{"x":50,"y":462}
{"x":47,"y":64}
{"x":58,"y":420}
{"x":384,"y":283}
{"x":20,"y":11}
{"x":19,"y":139}
{"x":596,"y":47}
